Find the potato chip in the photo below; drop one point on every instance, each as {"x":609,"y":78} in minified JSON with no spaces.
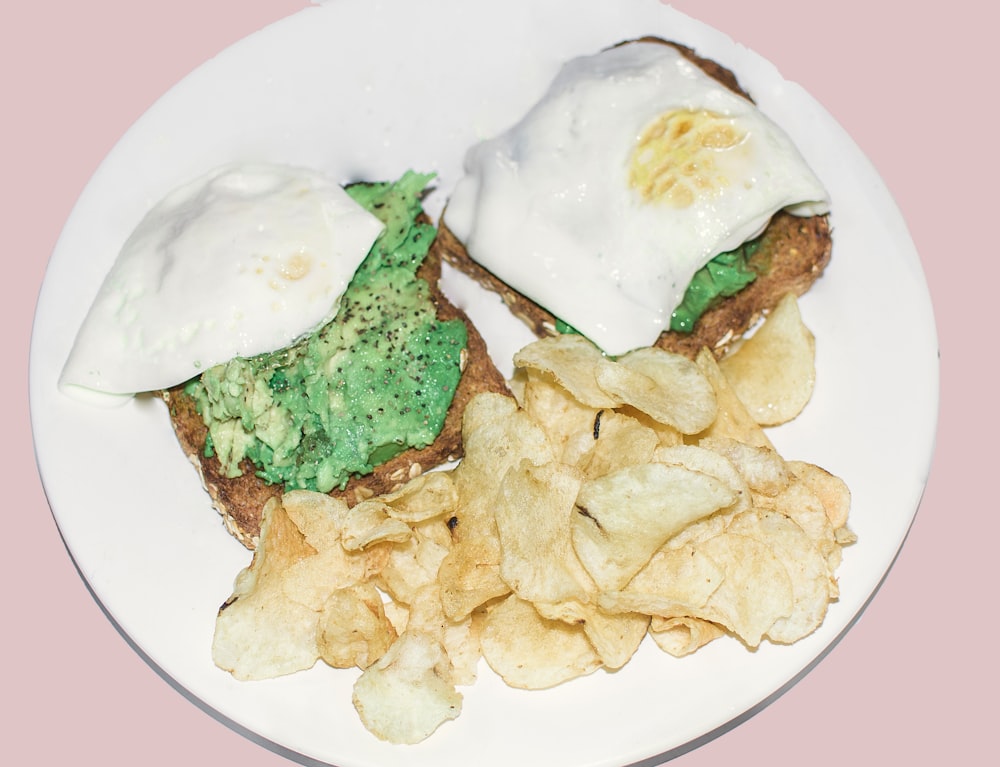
{"x":831,"y":490}
{"x":674,"y":582}
{"x":460,"y":639}
{"x":616,"y":441}
{"x":259,"y":633}
{"x":470,"y":576}
{"x":369,"y":522}
{"x":762,"y":467}
{"x":574,"y":363}
{"x":428,"y":495}
{"x":320,"y":517}
{"x":623,"y":518}
{"x":497,"y":436}
{"x":353,"y":629}
{"x":666,"y":435}
{"x":408,"y":693}
{"x":462,"y":642}
{"x":311,"y":581}
{"x":805,"y":508}
{"x":397,"y":614}
{"x":516,"y":384}
{"x":615,"y":637}
{"x":682,"y":636}
{"x":555,"y":410}
{"x":687,"y":412}
{"x":697,"y":458}
{"x":732,"y":419}
{"x":680,"y":394}
{"x":533,"y":512}
{"x":774,"y":371}
{"x":807,"y":570}
{"x":756,"y":589}
{"x":531,"y":652}
{"x":413,"y":564}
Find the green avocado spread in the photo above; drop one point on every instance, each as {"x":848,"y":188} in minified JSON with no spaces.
{"x":375,"y":381}
{"x":725,"y":275}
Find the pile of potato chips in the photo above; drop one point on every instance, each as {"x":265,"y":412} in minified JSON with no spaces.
{"x":610,"y":500}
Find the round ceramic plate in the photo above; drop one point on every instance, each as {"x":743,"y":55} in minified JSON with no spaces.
{"x":364,"y":91}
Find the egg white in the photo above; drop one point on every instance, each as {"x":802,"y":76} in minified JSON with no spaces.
{"x":242,"y":261}
{"x":561,"y":207}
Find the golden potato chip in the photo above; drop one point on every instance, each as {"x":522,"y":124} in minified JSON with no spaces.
{"x":615,"y":442}
{"x":353,"y":629}
{"x":807,"y":570}
{"x":460,"y":639}
{"x":798,"y":502}
{"x":259,"y":633}
{"x":408,"y":693}
{"x":762,"y":467}
{"x":669,"y":387}
{"x":845,"y":536}
{"x":668,"y":406}
{"x":755,"y":592}
{"x":774,"y":371}
{"x":424,"y":497}
{"x":666,"y":435}
{"x":412,"y":565}
{"x":370,"y":522}
{"x":574,"y":363}
{"x":673,"y":583}
{"x":832,"y":491}
{"x":397,"y":614}
{"x":732,"y":419}
{"x":320,"y":517}
{"x":555,"y":410}
{"x":698,"y":458}
{"x":531,"y":652}
{"x":682,"y":636}
{"x":623,"y":518}
{"x":470,"y":576}
{"x":462,"y":642}
{"x":311,"y":581}
{"x":615,"y":637}
{"x":497,"y":436}
{"x":533,"y":512}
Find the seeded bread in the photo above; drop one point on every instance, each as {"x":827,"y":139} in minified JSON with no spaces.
{"x":793,"y":254}
{"x":240,"y":500}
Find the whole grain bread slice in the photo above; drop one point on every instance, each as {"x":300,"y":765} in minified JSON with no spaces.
{"x":794,"y":252}
{"x":240,"y":500}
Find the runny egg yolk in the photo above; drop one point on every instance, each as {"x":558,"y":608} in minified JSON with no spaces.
{"x":674,"y":159}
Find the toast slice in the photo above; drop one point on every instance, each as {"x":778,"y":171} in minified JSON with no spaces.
{"x":240,"y":500}
{"x":794,"y":252}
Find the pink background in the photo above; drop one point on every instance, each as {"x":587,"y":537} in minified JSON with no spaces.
{"x":913,"y":683}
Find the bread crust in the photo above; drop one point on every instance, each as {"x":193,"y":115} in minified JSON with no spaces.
{"x":240,"y":500}
{"x":793,"y":254}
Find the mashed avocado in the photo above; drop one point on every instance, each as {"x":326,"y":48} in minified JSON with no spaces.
{"x":725,"y":275}
{"x":375,"y":381}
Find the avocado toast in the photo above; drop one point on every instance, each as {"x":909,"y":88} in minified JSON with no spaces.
{"x":726,"y":296}
{"x":366,"y":402}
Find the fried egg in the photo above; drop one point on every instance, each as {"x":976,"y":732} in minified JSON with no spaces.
{"x":632,"y":172}
{"x":244,"y":260}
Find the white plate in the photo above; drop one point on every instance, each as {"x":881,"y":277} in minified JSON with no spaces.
{"x":308,"y":91}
